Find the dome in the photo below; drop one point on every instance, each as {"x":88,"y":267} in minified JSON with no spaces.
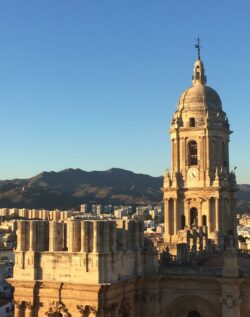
{"x":199,"y":96}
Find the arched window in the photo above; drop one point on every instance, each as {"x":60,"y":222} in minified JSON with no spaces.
{"x":192,"y":150}
{"x":193,"y":313}
{"x":193,"y":217}
{"x":204,"y":220}
{"x":183,"y":222}
{"x":192,"y":122}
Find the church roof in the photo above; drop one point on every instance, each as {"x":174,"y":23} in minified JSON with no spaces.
{"x":199,"y":96}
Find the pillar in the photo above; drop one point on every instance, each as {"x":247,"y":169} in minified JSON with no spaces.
{"x":96,"y":236}
{"x":141,"y":234}
{"x":112,"y":236}
{"x":200,"y":224}
{"x":74,"y":236}
{"x":28,"y":309}
{"x":187,"y":214}
{"x":173,"y":155}
{"x":56,"y":236}
{"x":81,"y":310}
{"x":176,"y":217}
{"x":21,"y":235}
{"x":84,"y":236}
{"x":217,"y":218}
{"x":200,"y":153}
{"x":136,"y":235}
{"x":32,"y":246}
{"x":177,"y":146}
{"x":105,"y":241}
{"x":167,"y":220}
{"x":18,"y":309}
{"x":230,"y":298}
{"x":209,"y":216}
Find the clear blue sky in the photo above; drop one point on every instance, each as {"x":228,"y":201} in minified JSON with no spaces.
{"x":93,"y":83}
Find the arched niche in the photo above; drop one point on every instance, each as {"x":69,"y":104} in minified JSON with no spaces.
{"x":188,"y":305}
{"x":193,"y":216}
{"x":192,"y":153}
{"x":193,"y":313}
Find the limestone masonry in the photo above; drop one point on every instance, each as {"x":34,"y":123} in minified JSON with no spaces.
{"x":108,"y":268}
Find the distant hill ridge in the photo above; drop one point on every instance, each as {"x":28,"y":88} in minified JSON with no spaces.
{"x":71,"y":187}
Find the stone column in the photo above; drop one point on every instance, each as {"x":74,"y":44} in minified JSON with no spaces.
{"x":177,"y":146}
{"x":105,"y":239}
{"x":217,"y":218}
{"x":173,"y":156}
{"x":200,"y":224}
{"x":136,"y":235}
{"x":207,"y":153}
{"x":84,"y":236}
{"x":18,"y":308}
{"x":52,"y":236}
{"x":187,"y":213}
{"x":28,"y":309}
{"x":32,"y":246}
{"x":141,"y":233}
{"x":21,"y":233}
{"x":230,"y":298}
{"x":92,"y":312}
{"x":96,"y":236}
{"x":167,"y":222}
{"x":209,"y":216}
{"x":201,"y":155}
{"x":176,"y":217}
{"x":74,"y":236}
{"x":81,"y":310}
{"x":112,"y":236}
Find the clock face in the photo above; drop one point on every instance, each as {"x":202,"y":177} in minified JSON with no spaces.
{"x":192,"y":173}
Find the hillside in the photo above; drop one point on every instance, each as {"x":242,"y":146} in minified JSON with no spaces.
{"x":71,"y":187}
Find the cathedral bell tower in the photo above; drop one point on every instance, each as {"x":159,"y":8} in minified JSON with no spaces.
{"x":199,"y":191}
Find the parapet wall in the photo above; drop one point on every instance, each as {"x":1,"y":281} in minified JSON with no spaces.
{"x":89,"y":251}
{"x":35,"y":213}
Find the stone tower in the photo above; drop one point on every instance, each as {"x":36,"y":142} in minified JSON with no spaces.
{"x":199,"y":191}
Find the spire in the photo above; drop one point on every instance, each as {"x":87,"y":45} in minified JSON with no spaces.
{"x":199,"y":71}
{"x":198,"y":47}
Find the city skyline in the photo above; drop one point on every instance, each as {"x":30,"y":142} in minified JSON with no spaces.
{"x":93,"y":86}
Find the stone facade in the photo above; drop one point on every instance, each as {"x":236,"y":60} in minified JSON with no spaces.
{"x":199,"y":191}
{"x":109,"y":269}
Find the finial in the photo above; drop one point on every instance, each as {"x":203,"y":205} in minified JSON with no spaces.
{"x":198,"y":47}
{"x":199,"y":72}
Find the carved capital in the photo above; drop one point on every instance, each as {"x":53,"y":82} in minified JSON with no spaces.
{"x":86,"y":309}
{"x":80,"y":308}
{"x":18,"y":304}
{"x":230,"y":301}
{"x":57,"y":307}
{"x":92,"y":309}
{"x":28,"y":305}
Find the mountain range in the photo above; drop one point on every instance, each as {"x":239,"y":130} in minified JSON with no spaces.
{"x":69,"y":188}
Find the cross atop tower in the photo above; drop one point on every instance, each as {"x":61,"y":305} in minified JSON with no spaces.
{"x":197,"y":45}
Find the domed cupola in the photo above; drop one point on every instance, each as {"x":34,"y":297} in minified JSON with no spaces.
{"x":200,"y":102}
{"x":199,"y":96}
